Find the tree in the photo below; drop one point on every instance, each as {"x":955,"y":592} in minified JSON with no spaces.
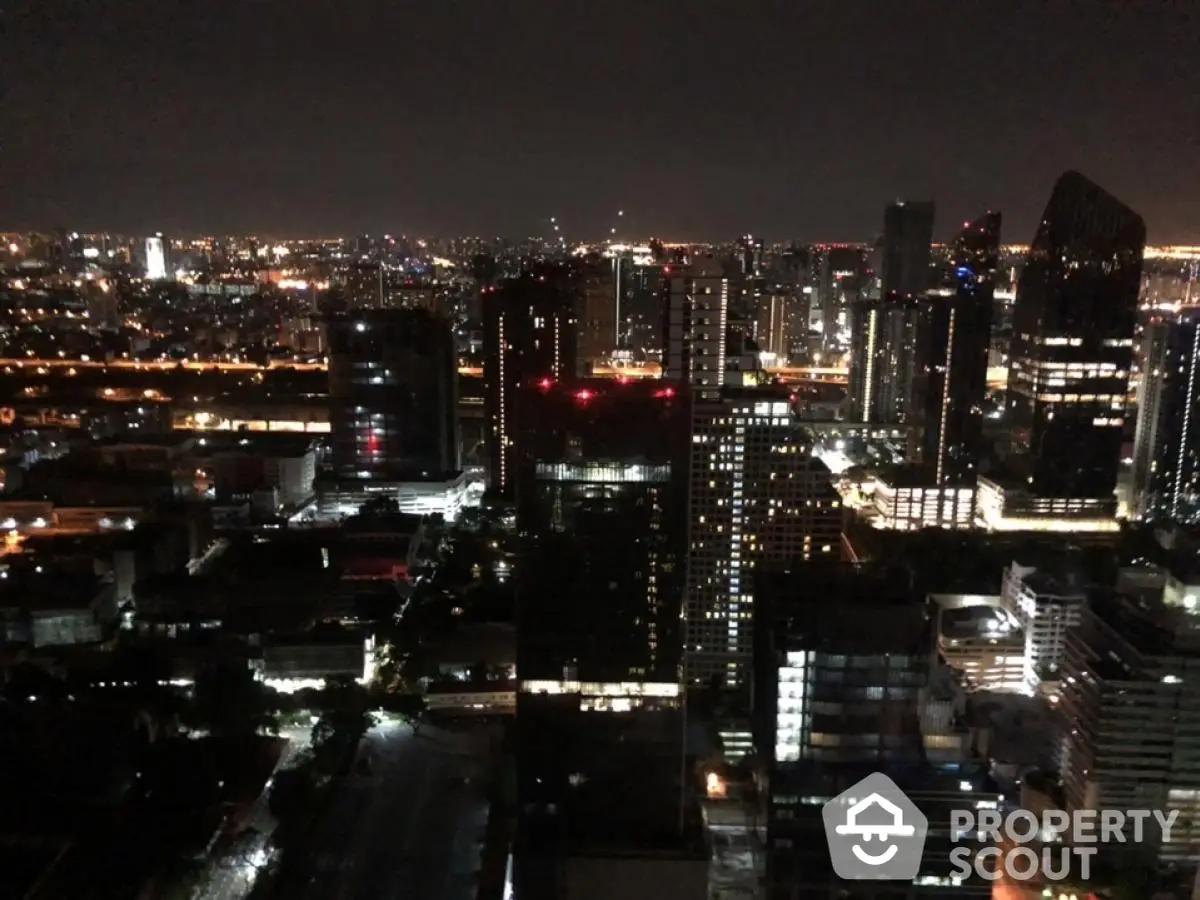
{"x":229,"y":701}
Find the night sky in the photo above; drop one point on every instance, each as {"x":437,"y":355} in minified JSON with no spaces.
{"x":701,"y":119}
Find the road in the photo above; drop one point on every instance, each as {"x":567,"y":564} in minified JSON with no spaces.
{"x":407,"y":828}
{"x":232,"y":879}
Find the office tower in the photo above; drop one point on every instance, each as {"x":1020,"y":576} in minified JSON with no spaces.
{"x":156,"y":257}
{"x":755,"y":495}
{"x":601,"y":489}
{"x":905,"y":249}
{"x":883,"y":344}
{"x":1166,"y":447}
{"x":1131,"y":699}
{"x":950,"y":381}
{"x":1072,"y":347}
{"x":393,"y":396}
{"x":1046,"y":605}
{"x":529,"y":334}
{"x":846,"y":685}
{"x":696,"y":316}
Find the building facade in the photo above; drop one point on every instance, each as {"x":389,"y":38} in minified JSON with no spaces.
{"x":755,"y":495}
{"x":1072,"y":346}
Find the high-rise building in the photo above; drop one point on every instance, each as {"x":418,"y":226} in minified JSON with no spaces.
{"x":393,"y":396}
{"x":529,"y":335}
{"x":883,"y":326}
{"x":845,"y":685}
{"x":599,"y":302}
{"x":905,"y":249}
{"x":1166,"y":447}
{"x":772,"y":302}
{"x":1072,"y":348}
{"x":393,"y":414}
{"x":950,"y":384}
{"x":1046,"y":605}
{"x":883,"y":344}
{"x":156,"y":257}
{"x":696,"y":316}
{"x":755,"y":495}
{"x":1131,"y":698}
{"x":601,"y":488}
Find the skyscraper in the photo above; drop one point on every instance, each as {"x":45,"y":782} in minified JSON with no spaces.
{"x":601,"y":487}
{"x":883,"y":342}
{"x":1072,"y":347}
{"x":883,"y":329}
{"x":529,"y":335}
{"x":1131,"y":693}
{"x":1166,"y":447}
{"x":696,"y":315}
{"x":598,"y":310}
{"x":846,"y":685}
{"x":393,"y":396}
{"x":907,"y":238}
{"x":755,"y":495}
{"x":950,"y":383}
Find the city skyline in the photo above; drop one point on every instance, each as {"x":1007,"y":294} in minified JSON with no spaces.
{"x":422,"y":121}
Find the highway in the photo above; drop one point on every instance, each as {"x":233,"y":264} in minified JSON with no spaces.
{"x":43,"y":366}
{"x":408,"y":827}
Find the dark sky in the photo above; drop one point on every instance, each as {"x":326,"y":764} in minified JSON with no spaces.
{"x":700,"y":118}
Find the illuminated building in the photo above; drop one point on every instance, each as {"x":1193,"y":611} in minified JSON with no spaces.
{"x":529,"y":334}
{"x":1072,"y":349}
{"x":984,"y":646}
{"x":1009,"y":506}
{"x":1045,"y":606}
{"x":1166,"y":449}
{"x":770,"y":306}
{"x":1130,"y":692}
{"x":601,"y":512}
{"x":697,"y":312}
{"x":838,"y":274}
{"x":950,"y":384}
{"x":751,"y":252}
{"x":905,"y":500}
{"x":756,"y":495}
{"x":845,"y":685}
{"x":156,"y":257}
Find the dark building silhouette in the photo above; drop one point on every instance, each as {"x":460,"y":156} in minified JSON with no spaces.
{"x":529,"y":336}
{"x":905,"y":251}
{"x":953,"y":334}
{"x":883,"y":342}
{"x":1072,"y":345}
{"x":601,"y":509}
{"x":393,"y":396}
{"x":1166,"y":447}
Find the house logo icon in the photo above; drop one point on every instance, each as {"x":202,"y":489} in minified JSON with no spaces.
{"x":875,"y":832}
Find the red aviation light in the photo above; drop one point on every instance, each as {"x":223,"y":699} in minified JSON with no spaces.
{"x":546,"y":383}
{"x":584,"y":396}
{"x":666,"y":393}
